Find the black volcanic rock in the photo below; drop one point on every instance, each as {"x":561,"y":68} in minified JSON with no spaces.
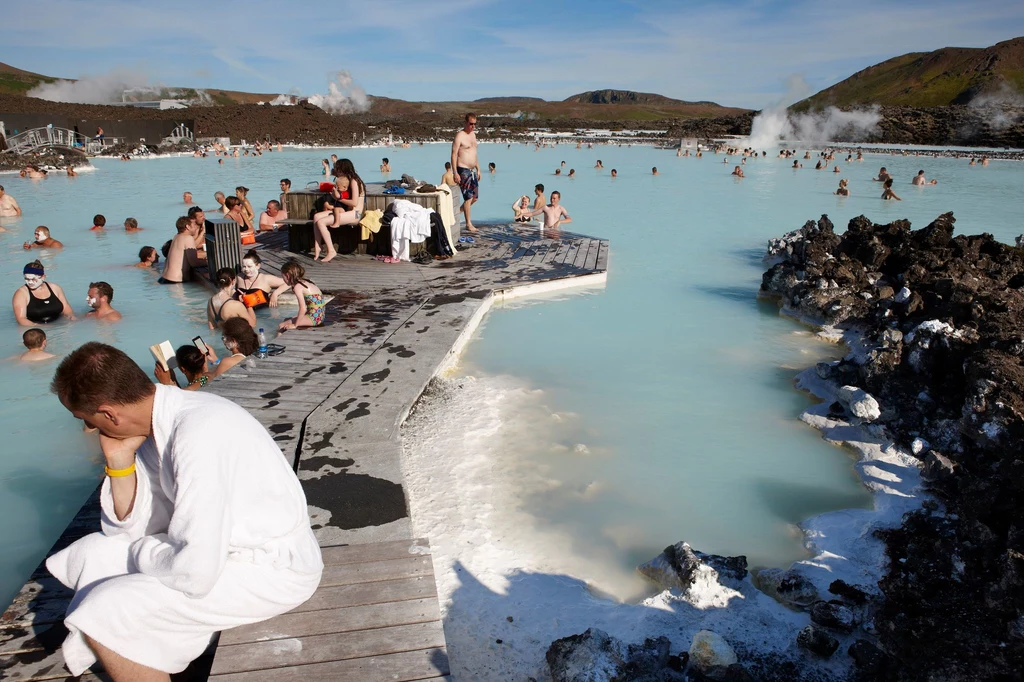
{"x":944,"y":356}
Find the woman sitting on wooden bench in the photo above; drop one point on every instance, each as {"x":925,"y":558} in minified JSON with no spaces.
{"x":347,"y":199}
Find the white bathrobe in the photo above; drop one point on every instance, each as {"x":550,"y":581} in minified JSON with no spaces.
{"x":219,"y":536}
{"x":411,"y":224}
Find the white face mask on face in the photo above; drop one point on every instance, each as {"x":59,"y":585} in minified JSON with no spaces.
{"x":90,"y":301}
{"x":40,"y":237}
{"x":250,"y":269}
{"x":33,"y":281}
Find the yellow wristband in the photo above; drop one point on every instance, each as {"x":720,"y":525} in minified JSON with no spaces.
{"x":119,"y":473}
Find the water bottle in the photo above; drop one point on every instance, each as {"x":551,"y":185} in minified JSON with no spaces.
{"x":261,"y":352}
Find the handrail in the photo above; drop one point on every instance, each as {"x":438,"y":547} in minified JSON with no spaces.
{"x":52,"y":136}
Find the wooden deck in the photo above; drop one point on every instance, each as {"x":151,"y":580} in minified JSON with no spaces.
{"x":335,"y":401}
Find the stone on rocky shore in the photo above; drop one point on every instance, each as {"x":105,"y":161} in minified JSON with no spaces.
{"x":787,"y":586}
{"x":596,"y":656}
{"x":937,"y":467}
{"x":677,"y":566}
{"x":710,"y":650}
{"x":859,"y":402}
{"x":850,"y":593}
{"x":818,"y":641}
{"x":832,"y":614}
{"x":868,"y":658}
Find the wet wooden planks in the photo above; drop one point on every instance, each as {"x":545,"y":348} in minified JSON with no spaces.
{"x":374,"y":617}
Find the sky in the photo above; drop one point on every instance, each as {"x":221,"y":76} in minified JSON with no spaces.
{"x":737,"y":53}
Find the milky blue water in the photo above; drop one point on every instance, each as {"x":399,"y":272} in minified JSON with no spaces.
{"x":680,"y":379}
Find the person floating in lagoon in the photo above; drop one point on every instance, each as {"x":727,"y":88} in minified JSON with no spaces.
{"x":256,"y":289}
{"x":385,"y":165}
{"x":843,"y":190}
{"x":738,"y":172}
{"x":654,"y":171}
{"x":43,"y":240}
{"x":572,"y":172}
{"x":187,"y":198}
{"x":205,"y":527}
{"x":883,"y":175}
{"x":221,"y":200}
{"x":131,"y":225}
{"x":71,"y":172}
{"x":558,"y":171}
{"x":99,"y":222}
{"x":35,"y":342}
{"x":539,"y":200}
{"x":243,"y":193}
{"x":272,"y":216}
{"x":9,"y":208}
{"x":888,"y":193}
{"x":555,"y":214}
{"x":182,"y":256}
{"x":241,"y":341}
{"x":464,"y":161}
{"x":98,"y":298}
{"x":39,"y":302}
{"x":223,"y":305}
{"x":836,"y":170}
{"x":312,"y":306}
{"x":919,"y":179}
{"x":599,"y":164}
{"x":491,"y":168}
{"x":615,"y":173}
{"x":148,"y":257}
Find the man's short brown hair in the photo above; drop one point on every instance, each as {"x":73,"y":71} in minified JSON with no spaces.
{"x":182,"y":224}
{"x":33,"y":338}
{"x":95,"y":374}
{"x":104,"y":289}
{"x":470,"y":117}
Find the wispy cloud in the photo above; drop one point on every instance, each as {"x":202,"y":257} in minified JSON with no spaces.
{"x":736,"y":53}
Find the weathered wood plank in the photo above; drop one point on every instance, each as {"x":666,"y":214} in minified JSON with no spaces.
{"x":581,"y":254}
{"x":376,"y":551}
{"x":325,"y":648}
{"x":392,"y":569}
{"x":602,"y":258}
{"x":591,"y":261}
{"x":335,"y":621}
{"x":369,"y":593}
{"x":425,"y":664}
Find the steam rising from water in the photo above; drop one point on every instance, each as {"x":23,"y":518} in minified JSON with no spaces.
{"x":996,"y":106}
{"x":102,"y":89}
{"x":776,"y":123}
{"x":343,"y":96}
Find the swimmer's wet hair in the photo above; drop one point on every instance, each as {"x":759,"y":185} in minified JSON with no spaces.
{"x":145,"y":252}
{"x":96,"y":374}
{"x":225,"y":277}
{"x":33,"y":338}
{"x":131,"y":222}
{"x":99,"y":220}
{"x":190,"y":359}
{"x":104,"y":289}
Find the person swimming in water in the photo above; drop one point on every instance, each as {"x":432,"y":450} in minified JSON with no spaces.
{"x":843,"y":190}
{"x":39,"y":302}
{"x":888,"y":194}
{"x":920,"y":180}
{"x":43,"y":240}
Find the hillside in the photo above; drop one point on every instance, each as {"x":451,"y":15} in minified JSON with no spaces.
{"x":628,"y":97}
{"x":951,"y":75}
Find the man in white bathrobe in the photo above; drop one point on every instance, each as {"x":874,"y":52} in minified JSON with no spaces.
{"x":204,"y":525}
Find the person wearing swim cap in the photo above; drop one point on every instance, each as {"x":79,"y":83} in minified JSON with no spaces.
{"x":39,"y":302}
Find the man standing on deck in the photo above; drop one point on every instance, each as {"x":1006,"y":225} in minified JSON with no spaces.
{"x":8,"y":206}
{"x":204,"y":526}
{"x":465,"y":162}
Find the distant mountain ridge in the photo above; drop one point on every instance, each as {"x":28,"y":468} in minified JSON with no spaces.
{"x":951,"y":75}
{"x":506,"y":100}
{"x":629,"y":97}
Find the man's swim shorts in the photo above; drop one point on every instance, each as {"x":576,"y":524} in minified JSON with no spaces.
{"x":469,"y":183}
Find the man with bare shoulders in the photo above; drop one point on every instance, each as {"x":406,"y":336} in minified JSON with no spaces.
{"x":465,"y":162}
{"x":555,"y":214}
{"x":98,"y":297}
{"x":449,"y":175}
{"x":8,"y":206}
{"x":198,"y":218}
{"x":274,"y":214}
{"x":43,"y":240}
{"x":182,"y":256}
{"x":540,"y":200}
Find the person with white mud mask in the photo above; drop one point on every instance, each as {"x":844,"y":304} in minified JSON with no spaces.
{"x":43,"y":240}
{"x":39,"y":302}
{"x":254,"y":288}
{"x":98,"y":298}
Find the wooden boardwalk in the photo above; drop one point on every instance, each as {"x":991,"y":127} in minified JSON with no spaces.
{"x":334,"y":401}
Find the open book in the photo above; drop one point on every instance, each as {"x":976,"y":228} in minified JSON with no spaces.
{"x":164,"y":354}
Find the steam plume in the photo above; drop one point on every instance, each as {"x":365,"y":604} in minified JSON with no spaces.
{"x":775,"y":122}
{"x":102,"y":89}
{"x":343,"y":96}
{"x":998,"y":108}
